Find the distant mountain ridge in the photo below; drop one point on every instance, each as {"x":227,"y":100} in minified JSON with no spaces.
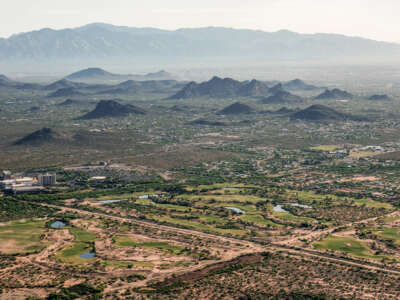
{"x":92,"y":73}
{"x":100,"y":74}
{"x":281,"y":96}
{"x":218,"y":87}
{"x":103,"y":41}
{"x":334,"y":94}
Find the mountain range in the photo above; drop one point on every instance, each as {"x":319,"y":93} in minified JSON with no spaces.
{"x":104,"y":41}
{"x":227,"y":87}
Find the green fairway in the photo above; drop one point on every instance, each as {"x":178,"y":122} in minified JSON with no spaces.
{"x":81,"y":235}
{"x":292,"y":218}
{"x":22,"y":237}
{"x":80,"y":246}
{"x":259,"y":221}
{"x":388,"y":233}
{"x":327,"y":148}
{"x":223,"y":198}
{"x":372,"y":203}
{"x":345,"y":244}
{"x":198,"y":226}
{"x":348,"y":245}
{"x":71,"y":254}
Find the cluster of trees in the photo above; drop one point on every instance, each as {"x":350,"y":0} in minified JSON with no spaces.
{"x":77,"y":291}
{"x":12,"y":209}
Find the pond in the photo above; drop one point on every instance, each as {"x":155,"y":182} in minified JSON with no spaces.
{"x":119,"y":200}
{"x":112,"y":201}
{"x":236,"y":210}
{"x":279,"y":208}
{"x":88,"y":254}
{"x":300,"y":205}
{"x":57,"y":225}
{"x":147,"y":196}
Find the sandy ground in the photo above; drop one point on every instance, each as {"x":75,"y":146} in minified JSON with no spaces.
{"x":226,"y":248}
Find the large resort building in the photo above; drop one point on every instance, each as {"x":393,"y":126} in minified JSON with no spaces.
{"x":11,"y":184}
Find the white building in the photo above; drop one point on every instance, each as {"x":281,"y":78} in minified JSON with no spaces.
{"x":47,"y":179}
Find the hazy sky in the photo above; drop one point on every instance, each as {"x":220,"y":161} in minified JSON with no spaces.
{"x":377,"y":19}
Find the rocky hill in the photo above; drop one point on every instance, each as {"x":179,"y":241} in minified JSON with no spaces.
{"x":160,"y":75}
{"x":91,"y":74}
{"x":204,"y":122}
{"x":223,"y":88}
{"x":149,"y":86}
{"x":39,"y":137}
{"x":299,"y":85}
{"x":236,"y":109}
{"x":70,"y":102}
{"x":334,"y":94}
{"x":65,"y":92}
{"x":379,"y":98}
{"x":4,"y":78}
{"x":320,"y":113}
{"x":63,"y":84}
{"x":112,"y":109}
{"x":281,"y":96}
{"x":214,"y":88}
{"x":254,"y":88}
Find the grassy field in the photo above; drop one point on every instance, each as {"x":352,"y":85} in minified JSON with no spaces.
{"x":258,"y":220}
{"x":121,"y":196}
{"x":223,"y":198}
{"x":198,"y":226}
{"x":127,"y":264}
{"x":327,"y":148}
{"x":363,"y":154}
{"x":81,"y":245}
{"x":124,"y":241}
{"x":81,"y":235}
{"x":292,"y":218}
{"x":72,"y":254}
{"x":345,"y":244}
{"x":388,"y":233}
{"x":309,"y":198}
{"x":348,"y":245}
{"x":22,"y":237}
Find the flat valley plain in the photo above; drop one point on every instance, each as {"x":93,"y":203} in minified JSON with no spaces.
{"x":194,"y":203}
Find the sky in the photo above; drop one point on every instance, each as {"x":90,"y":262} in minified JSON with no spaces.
{"x":375,"y":19}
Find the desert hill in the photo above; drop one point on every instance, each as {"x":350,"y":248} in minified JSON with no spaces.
{"x":379,"y":97}
{"x":281,"y":96}
{"x":236,"y":109}
{"x":334,"y":94}
{"x":299,"y":85}
{"x":112,"y":108}
{"x":39,"y":137}
{"x":320,"y":113}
